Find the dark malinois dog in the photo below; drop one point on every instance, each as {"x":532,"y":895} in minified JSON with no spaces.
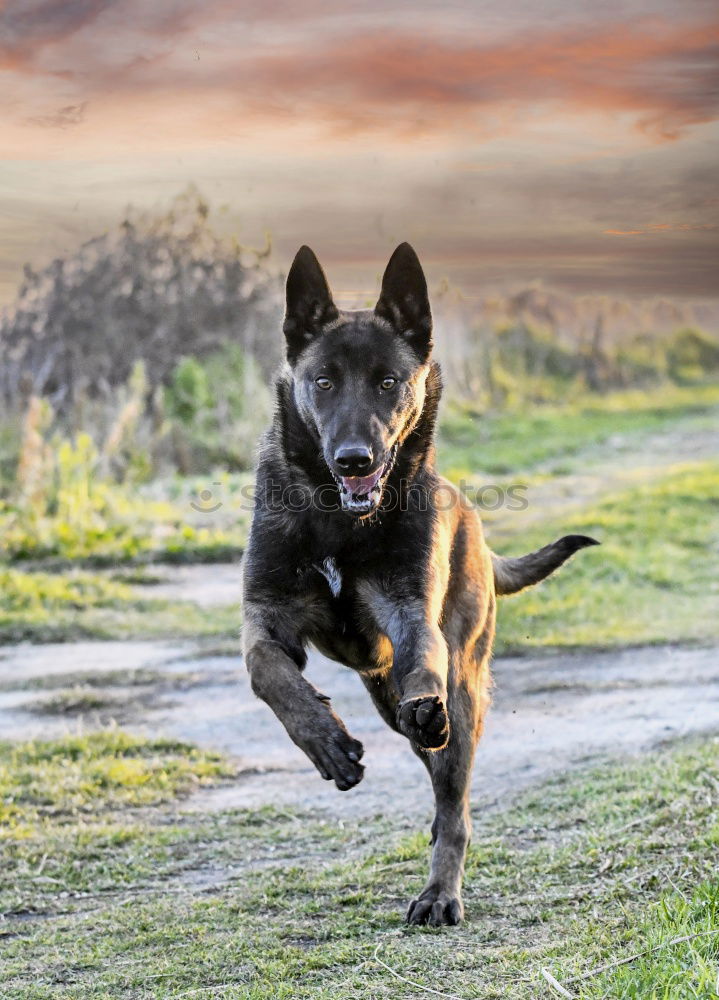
{"x":359,"y":547}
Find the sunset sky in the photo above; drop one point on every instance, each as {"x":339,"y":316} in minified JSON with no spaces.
{"x":569,"y":141}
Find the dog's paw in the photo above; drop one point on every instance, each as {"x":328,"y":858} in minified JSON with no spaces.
{"x":322,"y":735}
{"x":424,"y":721}
{"x":337,"y":757}
{"x":435,"y":908}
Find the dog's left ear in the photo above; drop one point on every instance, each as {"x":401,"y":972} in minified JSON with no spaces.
{"x":404,"y":301}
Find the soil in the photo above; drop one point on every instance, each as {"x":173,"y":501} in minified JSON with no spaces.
{"x":550,"y":713}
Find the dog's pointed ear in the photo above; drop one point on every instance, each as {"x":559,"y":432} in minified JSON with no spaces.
{"x":404,"y":301}
{"x":309,"y":302}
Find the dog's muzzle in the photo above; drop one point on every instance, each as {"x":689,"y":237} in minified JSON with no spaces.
{"x":362,"y":495}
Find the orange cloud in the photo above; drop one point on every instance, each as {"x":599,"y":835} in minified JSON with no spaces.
{"x":659,"y":73}
{"x":661,"y":227}
{"x":662,"y":74}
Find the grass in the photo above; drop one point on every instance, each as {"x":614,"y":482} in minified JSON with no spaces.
{"x":108,"y":896}
{"x":86,"y":773}
{"x":512,"y":443}
{"x":62,"y":510}
{"x":670,"y":966}
{"x":653,"y":580}
{"x":650,"y":582}
{"x":44,"y":606}
{"x":123,"y":530}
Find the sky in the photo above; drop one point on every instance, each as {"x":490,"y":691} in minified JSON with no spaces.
{"x":564,"y":141}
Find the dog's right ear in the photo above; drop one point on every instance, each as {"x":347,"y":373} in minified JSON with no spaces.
{"x":309,"y":303}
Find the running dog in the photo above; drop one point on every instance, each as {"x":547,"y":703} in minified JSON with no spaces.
{"x":351,"y":551}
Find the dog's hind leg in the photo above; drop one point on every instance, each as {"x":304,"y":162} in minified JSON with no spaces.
{"x":440,"y":901}
{"x":303,"y":711}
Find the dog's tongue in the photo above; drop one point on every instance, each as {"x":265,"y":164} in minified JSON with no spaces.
{"x":359,"y":485}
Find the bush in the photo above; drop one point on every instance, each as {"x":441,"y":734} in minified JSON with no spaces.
{"x":691,"y":354}
{"x":218,"y":408}
{"x":155,"y":289}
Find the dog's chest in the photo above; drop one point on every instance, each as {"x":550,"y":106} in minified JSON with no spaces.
{"x":335,"y":623}
{"x":326,"y":579}
{"x":329,"y":569}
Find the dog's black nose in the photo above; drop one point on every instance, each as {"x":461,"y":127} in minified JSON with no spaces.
{"x":354,"y":459}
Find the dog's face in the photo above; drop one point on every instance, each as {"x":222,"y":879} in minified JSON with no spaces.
{"x":359,"y":377}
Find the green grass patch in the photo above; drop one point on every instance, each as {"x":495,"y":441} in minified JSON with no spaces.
{"x":679,"y":957}
{"x":63,"y":508}
{"x":82,"y":774}
{"x":653,"y":579}
{"x":43,"y":606}
{"x":22,"y":592}
{"x":114,"y":529}
{"x":514,"y":442}
{"x":588,"y":870}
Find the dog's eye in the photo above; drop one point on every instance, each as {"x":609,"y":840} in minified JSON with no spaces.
{"x":323,"y":383}
{"x":388,"y":382}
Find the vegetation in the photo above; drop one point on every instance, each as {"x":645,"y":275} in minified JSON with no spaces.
{"x":216,"y":411}
{"x":652,"y":580}
{"x":158,"y":339}
{"x":551,"y":438}
{"x":653,"y":560}
{"x":105,"y":896}
{"x":60,"y":607}
{"x":64,"y":508}
{"x":519,"y":362}
{"x":154,"y":289}
{"x":64,"y":779}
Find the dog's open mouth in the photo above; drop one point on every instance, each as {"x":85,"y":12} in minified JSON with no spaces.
{"x":362,"y":495}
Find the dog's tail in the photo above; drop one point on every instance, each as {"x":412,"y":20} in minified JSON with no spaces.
{"x":513,"y":575}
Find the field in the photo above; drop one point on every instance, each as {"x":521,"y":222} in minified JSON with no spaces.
{"x":112,"y":891}
{"x":638,"y":470}
{"x":145,"y":863}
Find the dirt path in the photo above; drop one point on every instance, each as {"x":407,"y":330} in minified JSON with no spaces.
{"x":550,"y":713}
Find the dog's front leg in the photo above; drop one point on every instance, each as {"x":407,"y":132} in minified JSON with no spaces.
{"x":419,"y":670}
{"x":419,"y":666}
{"x":301,"y":708}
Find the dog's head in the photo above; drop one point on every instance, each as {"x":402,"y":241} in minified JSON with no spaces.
{"x":359,"y":377}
